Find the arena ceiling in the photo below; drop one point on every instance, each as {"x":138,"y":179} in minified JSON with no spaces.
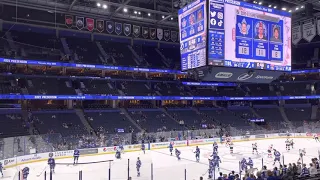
{"x":156,"y":12}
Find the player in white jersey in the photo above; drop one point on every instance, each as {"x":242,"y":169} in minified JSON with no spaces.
{"x":302,"y":152}
{"x":254,"y":148}
{"x":291,"y":143}
{"x":315,"y":137}
{"x":270,"y":151}
{"x":228,"y":141}
{"x":288,"y":144}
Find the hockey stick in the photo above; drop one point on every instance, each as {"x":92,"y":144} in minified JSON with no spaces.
{"x":42,"y":171}
{"x":205,"y":173}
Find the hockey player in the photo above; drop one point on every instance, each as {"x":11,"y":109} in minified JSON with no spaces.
{"x":138,"y":166}
{"x":250,"y":163}
{"x":217,"y":161}
{"x":118,"y":154}
{"x":211,"y":169}
{"x":76,"y":154}
{"x":316,"y":137}
{"x":51,"y":162}
{"x":177,"y":152}
{"x":143,"y":148}
{"x":1,"y":168}
{"x":170,"y":148}
{"x":276,"y":157}
{"x":254,"y":148}
{"x":270,"y":151}
{"x":291,"y":143}
{"x":121,"y":148}
{"x":25,"y":173}
{"x":215,"y":146}
{"x":231,"y":147}
{"x":243,"y":165}
{"x":302,"y":152}
{"x":228,"y":140}
{"x":197,"y":152}
{"x":283,"y":170}
{"x":288,"y":144}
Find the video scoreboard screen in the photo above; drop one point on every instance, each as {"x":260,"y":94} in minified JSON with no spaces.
{"x":193,"y":35}
{"x":242,"y":35}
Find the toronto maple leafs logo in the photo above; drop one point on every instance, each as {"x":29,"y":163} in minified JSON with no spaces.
{"x":244,"y":27}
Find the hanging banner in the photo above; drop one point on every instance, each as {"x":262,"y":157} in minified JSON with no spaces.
{"x":174,"y":36}
{"x":127,"y":29}
{"x":145,"y":32}
{"x":80,"y":23}
{"x":90,"y":24}
{"x":110,"y":26}
{"x":153,"y":33}
{"x":166,"y":35}
{"x":159,"y":33}
{"x":309,"y":30}
{"x":296,"y":34}
{"x":118,"y":27}
{"x":68,"y":20}
{"x":318,"y":26}
{"x":100,"y":25}
{"x":136,"y":31}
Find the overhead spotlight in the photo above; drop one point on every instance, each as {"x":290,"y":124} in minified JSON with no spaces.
{"x":275,"y":7}
{"x":171,"y":18}
{"x":270,"y":5}
{"x":284,"y":9}
{"x":135,"y":12}
{"x":139,"y":12}
{"x":104,"y":6}
{"x":162,"y":17}
{"x":297,"y":8}
{"x":260,"y":3}
{"x":302,"y":7}
{"x":290,"y":10}
{"x":255,"y":2}
{"x":149,"y":14}
{"x":98,"y":4}
{"x":125,"y":10}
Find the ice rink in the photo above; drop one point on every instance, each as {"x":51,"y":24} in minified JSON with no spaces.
{"x":166,"y":167}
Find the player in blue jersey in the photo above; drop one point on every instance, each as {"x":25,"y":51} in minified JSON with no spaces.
{"x":1,"y":168}
{"x":121,"y":148}
{"x":243,"y":165}
{"x":25,"y":173}
{"x":170,"y":148}
{"x":215,"y":147}
{"x":177,"y":152}
{"x":197,"y":152}
{"x":250,"y":162}
{"x":211,"y":169}
{"x":143,"y":148}
{"x":276,"y":157}
{"x":76,"y":154}
{"x":138,"y":164}
{"x":118,"y":154}
{"x":51,"y":162}
{"x":217,"y":161}
{"x":214,"y":153}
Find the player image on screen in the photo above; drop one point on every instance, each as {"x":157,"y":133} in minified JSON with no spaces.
{"x":276,"y":34}
{"x":260,"y":31}
{"x":244,"y":27}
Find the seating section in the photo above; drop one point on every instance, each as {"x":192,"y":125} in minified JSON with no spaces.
{"x":272,"y":116}
{"x":84,"y":50}
{"x":119,"y":52}
{"x":8,"y":85}
{"x":150,"y":55}
{"x":51,"y":86}
{"x":109,"y":121}
{"x":65,"y":122}
{"x":295,"y":89}
{"x":298,"y":114}
{"x":91,"y":86}
{"x":12,"y":124}
{"x":135,"y":88}
{"x":260,"y":90}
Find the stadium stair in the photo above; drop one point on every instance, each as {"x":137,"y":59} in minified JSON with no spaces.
{"x":10,"y":41}
{"x":65,"y":46}
{"x":102,"y":51}
{"x":125,"y":112}
{"x":164,"y":59}
{"x":314,"y":111}
{"x":84,"y":121}
{"x":136,"y":56}
{"x":168,"y":114}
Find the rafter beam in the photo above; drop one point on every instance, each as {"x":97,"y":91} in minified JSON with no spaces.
{"x":120,"y":7}
{"x":167,"y":17}
{"x":72,"y":4}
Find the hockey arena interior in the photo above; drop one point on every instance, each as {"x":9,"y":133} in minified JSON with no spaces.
{"x":159,"y":90}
